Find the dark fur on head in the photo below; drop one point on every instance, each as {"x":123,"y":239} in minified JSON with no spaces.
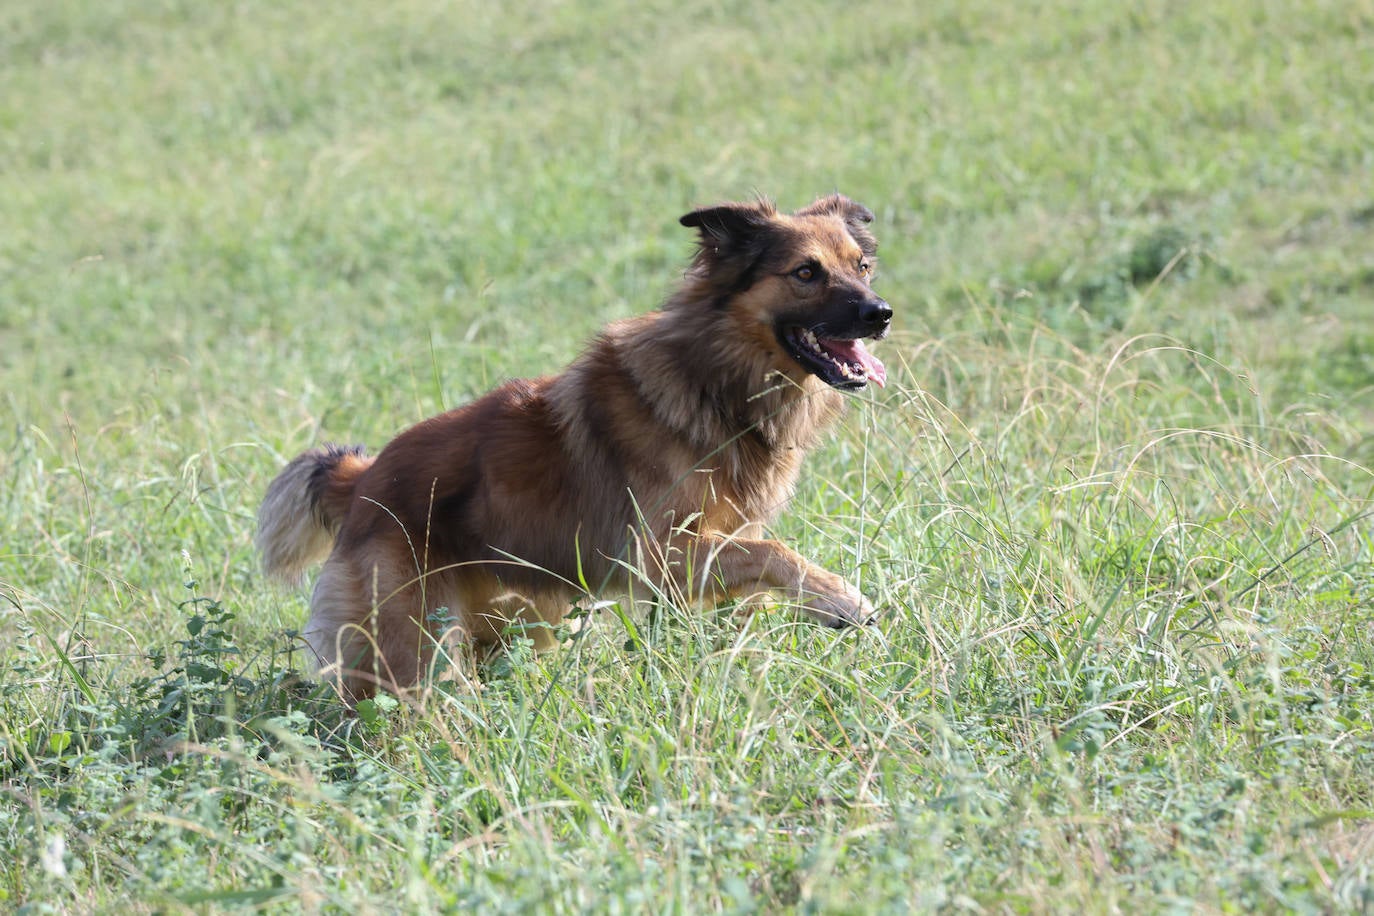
{"x":736,"y":238}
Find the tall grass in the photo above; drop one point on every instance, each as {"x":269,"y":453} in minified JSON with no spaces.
{"x":1115,"y":504}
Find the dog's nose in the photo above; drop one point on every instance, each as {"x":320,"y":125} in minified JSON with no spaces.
{"x":875,"y":313}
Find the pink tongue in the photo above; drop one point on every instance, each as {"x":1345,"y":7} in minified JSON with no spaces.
{"x":854,"y":351}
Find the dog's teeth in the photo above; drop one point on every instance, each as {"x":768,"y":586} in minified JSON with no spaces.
{"x":852,"y":371}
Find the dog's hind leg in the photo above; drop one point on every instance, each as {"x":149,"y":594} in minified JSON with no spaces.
{"x":338,"y":633}
{"x":366,"y":628}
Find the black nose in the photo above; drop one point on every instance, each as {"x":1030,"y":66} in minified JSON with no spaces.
{"x":875,"y":313}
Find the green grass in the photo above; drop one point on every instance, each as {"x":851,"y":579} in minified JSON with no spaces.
{"x":1115,"y":503}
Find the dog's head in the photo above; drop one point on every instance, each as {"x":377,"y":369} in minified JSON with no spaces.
{"x":798,"y":285}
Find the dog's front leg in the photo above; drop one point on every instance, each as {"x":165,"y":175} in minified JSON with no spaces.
{"x":715,"y":566}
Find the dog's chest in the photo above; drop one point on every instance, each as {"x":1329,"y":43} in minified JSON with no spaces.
{"x":749,"y":486}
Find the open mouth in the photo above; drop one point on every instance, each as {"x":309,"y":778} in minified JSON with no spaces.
{"x":840,"y":363}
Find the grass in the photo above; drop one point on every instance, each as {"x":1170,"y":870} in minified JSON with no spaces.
{"x":1115,"y":503}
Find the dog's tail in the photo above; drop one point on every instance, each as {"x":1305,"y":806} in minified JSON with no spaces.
{"x":304,"y":507}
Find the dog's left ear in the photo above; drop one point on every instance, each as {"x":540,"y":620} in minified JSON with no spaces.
{"x":733,"y":238}
{"x":855,"y":215}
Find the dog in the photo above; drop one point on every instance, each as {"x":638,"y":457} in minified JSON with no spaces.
{"x":654,"y":460}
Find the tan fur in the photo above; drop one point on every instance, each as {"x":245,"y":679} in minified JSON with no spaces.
{"x":654,"y":459}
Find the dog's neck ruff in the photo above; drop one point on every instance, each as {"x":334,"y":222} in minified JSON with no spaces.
{"x":719,"y":395}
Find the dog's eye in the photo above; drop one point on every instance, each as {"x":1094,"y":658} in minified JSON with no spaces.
{"x":806,"y":273}
{"x":865,"y":268}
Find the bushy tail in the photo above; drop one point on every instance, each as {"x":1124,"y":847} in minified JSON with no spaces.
{"x":304,"y":506}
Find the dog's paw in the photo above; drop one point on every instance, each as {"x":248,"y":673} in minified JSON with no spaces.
{"x":847,"y":608}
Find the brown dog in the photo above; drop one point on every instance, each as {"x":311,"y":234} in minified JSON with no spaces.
{"x":654,"y":460}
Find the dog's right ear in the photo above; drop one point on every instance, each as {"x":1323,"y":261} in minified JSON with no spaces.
{"x":730,"y":225}
{"x":733,"y":239}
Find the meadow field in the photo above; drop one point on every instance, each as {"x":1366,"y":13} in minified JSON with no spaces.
{"x":1116,"y":503}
